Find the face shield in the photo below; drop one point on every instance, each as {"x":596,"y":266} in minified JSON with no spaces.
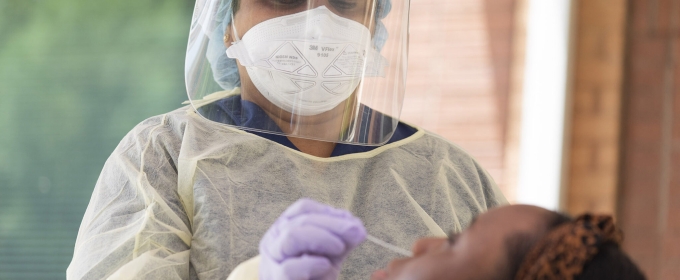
{"x":328,"y":70}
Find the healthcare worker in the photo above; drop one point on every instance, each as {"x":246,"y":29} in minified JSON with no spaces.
{"x":289,"y":99}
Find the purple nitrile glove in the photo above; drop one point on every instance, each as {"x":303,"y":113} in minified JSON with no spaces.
{"x":309,"y":241}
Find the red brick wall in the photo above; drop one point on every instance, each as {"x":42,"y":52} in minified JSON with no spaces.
{"x":649,"y":205}
{"x":459,"y":70}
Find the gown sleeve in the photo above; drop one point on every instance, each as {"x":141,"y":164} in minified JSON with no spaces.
{"x":135,"y":226}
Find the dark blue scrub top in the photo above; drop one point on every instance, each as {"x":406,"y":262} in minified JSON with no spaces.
{"x":235,"y":111}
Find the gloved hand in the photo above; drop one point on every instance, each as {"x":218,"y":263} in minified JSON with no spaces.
{"x":309,"y":241}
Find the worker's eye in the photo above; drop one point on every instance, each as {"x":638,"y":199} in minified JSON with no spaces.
{"x":344,"y":4}
{"x":286,"y":3}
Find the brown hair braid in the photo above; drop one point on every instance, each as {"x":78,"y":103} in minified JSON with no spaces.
{"x":563,"y":253}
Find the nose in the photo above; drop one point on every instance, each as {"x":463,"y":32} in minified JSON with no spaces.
{"x":311,"y":4}
{"x":426,"y":244}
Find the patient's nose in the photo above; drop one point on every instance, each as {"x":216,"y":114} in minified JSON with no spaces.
{"x":426,"y":244}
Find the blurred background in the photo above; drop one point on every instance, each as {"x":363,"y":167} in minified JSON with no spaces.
{"x":570,"y":104}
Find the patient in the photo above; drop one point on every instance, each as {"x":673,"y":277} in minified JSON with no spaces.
{"x":512,"y":242}
{"x":520,"y":242}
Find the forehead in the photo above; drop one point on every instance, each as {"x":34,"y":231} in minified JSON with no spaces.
{"x":517,"y":217}
{"x":311,"y":2}
{"x":248,"y":13}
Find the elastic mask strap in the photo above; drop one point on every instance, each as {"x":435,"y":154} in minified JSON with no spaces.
{"x":233,"y":28}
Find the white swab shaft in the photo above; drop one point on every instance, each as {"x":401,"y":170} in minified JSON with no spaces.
{"x":388,"y":246}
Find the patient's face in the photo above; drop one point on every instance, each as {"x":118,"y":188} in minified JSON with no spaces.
{"x":479,"y":252}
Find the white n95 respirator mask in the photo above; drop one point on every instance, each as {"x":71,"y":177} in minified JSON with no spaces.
{"x":308,"y":63}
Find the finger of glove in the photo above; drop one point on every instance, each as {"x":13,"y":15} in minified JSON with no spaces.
{"x":314,"y":233}
{"x":306,"y":239}
{"x":302,"y":267}
{"x":306,"y":205}
{"x":350,"y":229}
{"x":306,"y":267}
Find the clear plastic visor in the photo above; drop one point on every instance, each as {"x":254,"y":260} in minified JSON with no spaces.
{"x":330,"y":70}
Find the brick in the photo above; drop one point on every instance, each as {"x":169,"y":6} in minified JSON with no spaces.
{"x":459,"y":60}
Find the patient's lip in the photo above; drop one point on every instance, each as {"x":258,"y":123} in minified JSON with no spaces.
{"x":379,"y":275}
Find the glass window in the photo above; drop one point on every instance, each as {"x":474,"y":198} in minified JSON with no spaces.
{"x":75,"y":77}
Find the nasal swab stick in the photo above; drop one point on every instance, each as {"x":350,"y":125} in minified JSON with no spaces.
{"x":388,"y":246}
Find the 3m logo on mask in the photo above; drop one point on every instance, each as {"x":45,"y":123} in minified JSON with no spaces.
{"x":302,"y":73}
{"x":340,"y":69}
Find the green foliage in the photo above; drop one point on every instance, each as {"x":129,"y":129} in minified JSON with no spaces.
{"x":75,"y":76}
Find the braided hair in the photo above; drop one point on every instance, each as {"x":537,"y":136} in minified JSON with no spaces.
{"x":581,"y":249}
